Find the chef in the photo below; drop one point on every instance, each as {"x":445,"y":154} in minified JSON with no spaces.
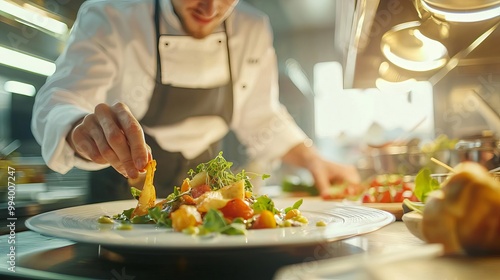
{"x":167,"y":78}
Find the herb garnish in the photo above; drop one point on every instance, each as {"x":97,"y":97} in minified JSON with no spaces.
{"x":220,"y":174}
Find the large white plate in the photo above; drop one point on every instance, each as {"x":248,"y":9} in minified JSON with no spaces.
{"x":80,"y":224}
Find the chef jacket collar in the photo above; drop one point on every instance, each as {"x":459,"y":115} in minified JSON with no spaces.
{"x":174,"y":22}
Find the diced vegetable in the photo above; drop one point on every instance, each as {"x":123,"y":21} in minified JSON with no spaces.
{"x":210,"y":200}
{"x":184,"y":217}
{"x":292,"y":214}
{"x":185,"y":185}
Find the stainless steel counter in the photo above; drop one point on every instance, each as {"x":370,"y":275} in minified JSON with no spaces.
{"x":53,"y":258}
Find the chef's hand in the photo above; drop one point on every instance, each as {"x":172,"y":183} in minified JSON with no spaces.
{"x":324,"y":172}
{"x":111,"y":135}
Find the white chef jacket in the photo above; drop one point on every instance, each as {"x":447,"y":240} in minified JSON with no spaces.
{"x":110,"y":56}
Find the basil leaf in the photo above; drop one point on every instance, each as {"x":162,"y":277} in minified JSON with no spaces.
{"x":160,"y":217}
{"x":214,"y":221}
{"x":125,"y":215}
{"x":296,"y":205}
{"x":262,"y":203}
{"x":144,"y":219}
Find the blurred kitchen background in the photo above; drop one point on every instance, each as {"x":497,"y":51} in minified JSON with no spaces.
{"x":354,"y":74}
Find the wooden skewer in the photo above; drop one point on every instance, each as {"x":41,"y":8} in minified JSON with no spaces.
{"x":495,"y":170}
{"x":443,"y":164}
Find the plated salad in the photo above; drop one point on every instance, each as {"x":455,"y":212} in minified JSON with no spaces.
{"x":212,"y":199}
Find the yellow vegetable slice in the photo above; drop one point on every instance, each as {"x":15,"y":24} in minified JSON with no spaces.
{"x":147,"y":198}
{"x":184,"y":217}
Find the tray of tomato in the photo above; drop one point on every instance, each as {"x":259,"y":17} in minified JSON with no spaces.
{"x":389,"y":188}
{"x":387,"y":192}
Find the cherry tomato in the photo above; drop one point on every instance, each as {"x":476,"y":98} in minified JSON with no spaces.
{"x":388,"y":188}
{"x":398,"y":197}
{"x":237,"y":208}
{"x":384,"y":197}
{"x":265,"y":220}
{"x":199,"y":190}
{"x":367,"y":198}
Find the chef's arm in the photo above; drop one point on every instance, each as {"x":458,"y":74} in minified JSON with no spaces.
{"x":83,"y":79}
{"x":324,"y":172}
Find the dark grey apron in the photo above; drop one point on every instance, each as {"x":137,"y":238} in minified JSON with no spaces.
{"x":168,"y":105}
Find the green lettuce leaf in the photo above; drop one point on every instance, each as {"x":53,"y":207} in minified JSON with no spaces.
{"x":425,"y":184}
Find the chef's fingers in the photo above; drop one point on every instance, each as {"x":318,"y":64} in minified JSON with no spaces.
{"x":103,"y":146}
{"x":133,"y":132}
{"x":352,"y":174}
{"x":326,"y":172}
{"x":85,"y":146}
{"x":114,"y":146}
{"x":322,"y":184}
{"x":149,"y":157}
{"x":319,"y":172}
{"x":88,"y":140}
{"x":346,"y":173}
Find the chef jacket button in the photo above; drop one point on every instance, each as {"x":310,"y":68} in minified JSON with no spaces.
{"x":166,"y":44}
{"x":220,"y":41}
{"x":243,"y":86}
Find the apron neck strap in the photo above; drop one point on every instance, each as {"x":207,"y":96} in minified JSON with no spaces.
{"x":157,"y":31}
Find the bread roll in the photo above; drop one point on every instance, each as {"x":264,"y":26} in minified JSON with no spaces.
{"x":464,"y":215}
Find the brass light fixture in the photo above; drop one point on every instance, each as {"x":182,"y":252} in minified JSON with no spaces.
{"x":407,"y":47}
{"x":417,"y":49}
{"x":462,"y":11}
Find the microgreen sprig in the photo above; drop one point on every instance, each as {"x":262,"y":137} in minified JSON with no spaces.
{"x":220,"y":174}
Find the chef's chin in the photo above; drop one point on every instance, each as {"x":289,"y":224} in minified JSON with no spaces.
{"x":198,"y":31}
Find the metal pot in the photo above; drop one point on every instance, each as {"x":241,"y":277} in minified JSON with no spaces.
{"x":484,"y":150}
{"x":409,"y":160}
